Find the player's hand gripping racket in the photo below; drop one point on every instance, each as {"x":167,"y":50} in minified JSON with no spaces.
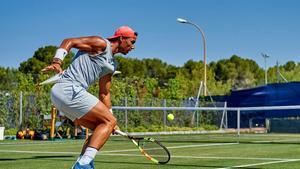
{"x":149,"y":147}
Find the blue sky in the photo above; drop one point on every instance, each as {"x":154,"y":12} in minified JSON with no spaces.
{"x":246,"y":28}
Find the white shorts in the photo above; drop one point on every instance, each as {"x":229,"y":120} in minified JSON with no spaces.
{"x":72,"y":99}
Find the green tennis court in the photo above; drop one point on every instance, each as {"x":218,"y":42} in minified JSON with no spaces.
{"x":251,"y":151}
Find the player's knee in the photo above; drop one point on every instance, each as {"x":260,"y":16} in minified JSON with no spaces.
{"x":112,"y":122}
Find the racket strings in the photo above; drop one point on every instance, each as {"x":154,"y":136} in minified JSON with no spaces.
{"x":154,"y":149}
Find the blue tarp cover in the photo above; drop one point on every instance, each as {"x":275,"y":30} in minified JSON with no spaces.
{"x":277,"y":94}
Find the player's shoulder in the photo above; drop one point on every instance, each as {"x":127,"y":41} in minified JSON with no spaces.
{"x":96,"y":41}
{"x":96,"y":38}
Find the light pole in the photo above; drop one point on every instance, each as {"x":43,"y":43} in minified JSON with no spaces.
{"x":204,"y":47}
{"x":266,"y":71}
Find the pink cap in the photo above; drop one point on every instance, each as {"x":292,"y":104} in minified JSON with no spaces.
{"x":124,"y":31}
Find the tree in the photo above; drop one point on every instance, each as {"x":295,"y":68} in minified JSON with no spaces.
{"x":242,"y":73}
{"x":8,"y":78}
{"x":155,"y":68}
{"x":131,"y":67}
{"x":290,"y":65}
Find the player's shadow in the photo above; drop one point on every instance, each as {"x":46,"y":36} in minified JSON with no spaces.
{"x":152,"y":165}
{"x":37,"y":157}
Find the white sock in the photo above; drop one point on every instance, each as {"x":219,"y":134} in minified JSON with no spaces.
{"x":88,"y":156}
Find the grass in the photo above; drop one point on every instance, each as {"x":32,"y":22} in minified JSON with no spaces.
{"x":207,"y":151}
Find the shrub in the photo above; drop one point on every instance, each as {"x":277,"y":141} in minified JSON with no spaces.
{"x":11,"y":131}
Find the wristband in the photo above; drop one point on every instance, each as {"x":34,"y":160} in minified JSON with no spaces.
{"x":56,"y":61}
{"x":61,"y":53}
{"x":111,"y":111}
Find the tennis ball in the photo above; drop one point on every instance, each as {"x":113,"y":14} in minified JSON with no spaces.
{"x":170,"y":117}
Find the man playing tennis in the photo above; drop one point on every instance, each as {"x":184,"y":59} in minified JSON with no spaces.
{"x":94,"y":60}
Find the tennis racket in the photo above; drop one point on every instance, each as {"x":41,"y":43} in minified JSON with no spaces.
{"x":56,"y":77}
{"x":149,"y":147}
{"x":52,"y":79}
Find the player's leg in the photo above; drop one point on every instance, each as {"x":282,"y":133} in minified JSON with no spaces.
{"x":90,"y":125}
{"x":102,"y":122}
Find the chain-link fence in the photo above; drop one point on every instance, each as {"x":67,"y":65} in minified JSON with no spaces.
{"x":23,"y":109}
{"x":27,"y":109}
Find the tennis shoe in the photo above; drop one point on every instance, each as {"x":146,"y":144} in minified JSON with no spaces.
{"x":73,"y":166}
{"x":78,"y":166}
{"x":92,"y":164}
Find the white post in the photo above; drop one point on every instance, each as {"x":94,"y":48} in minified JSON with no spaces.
{"x":196,"y":105}
{"x":224,"y":117}
{"x":165,"y":115}
{"x":2,"y":133}
{"x":238,"y":123}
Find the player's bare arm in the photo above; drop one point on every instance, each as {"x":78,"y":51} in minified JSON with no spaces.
{"x":90,"y":44}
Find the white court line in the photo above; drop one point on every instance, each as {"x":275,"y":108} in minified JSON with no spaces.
{"x":232,"y":158}
{"x":106,"y":153}
{"x":202,"y":145}
{"x":270,"y":135}
{"x":127,"y":150}
{"x":265,"y":163}
{"x":275,"y":141}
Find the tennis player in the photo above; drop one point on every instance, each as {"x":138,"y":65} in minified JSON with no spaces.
{"x":94,"y":60}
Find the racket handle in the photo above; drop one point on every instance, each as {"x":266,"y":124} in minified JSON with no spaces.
{"x":120,"y":132}
{"x":52,"y":79}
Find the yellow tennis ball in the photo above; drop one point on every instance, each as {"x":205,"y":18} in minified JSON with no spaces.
{"x":170,"y":117}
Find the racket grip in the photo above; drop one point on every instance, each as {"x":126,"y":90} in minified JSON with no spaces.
{"x":120,"y":132}
{"x":52,"y":79}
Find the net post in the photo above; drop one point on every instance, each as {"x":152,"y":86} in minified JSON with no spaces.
{"x":238,"y":123}
{"x":165,"y":114}
{"x":53,"y":116}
